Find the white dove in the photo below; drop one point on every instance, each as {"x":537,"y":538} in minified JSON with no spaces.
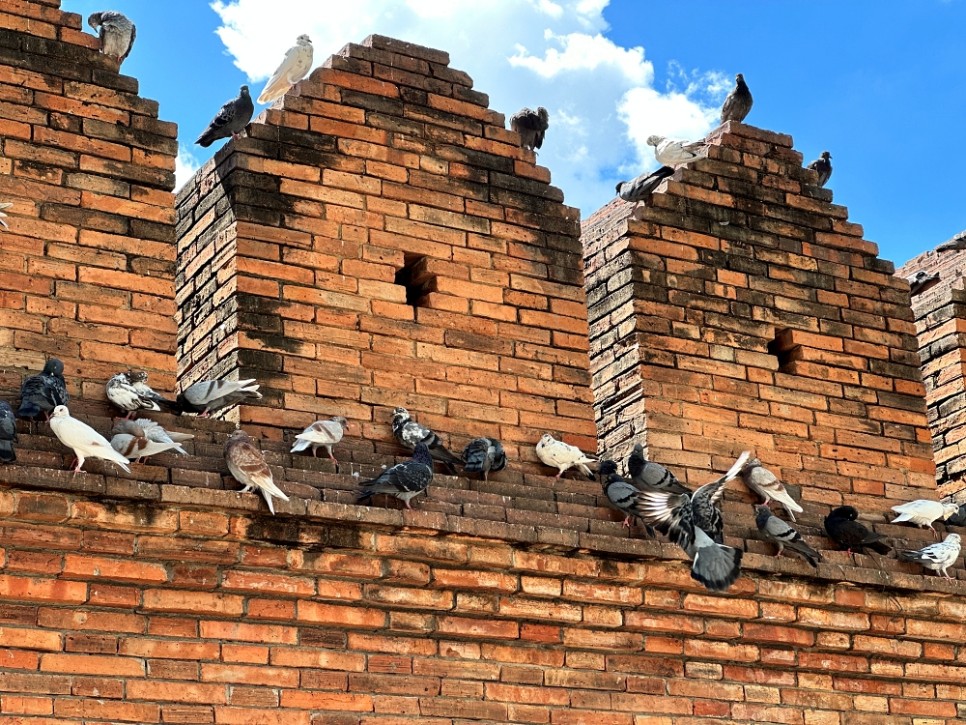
{"x":674,"y":153}
{"x":923,"y":512}
{"x":562,"y":456}
{"x":135,"y":447}
{"x":937,"y":557}
{"x":152,"y":431}
{"x":324,"y":433}
{"x":297,"y":62}
{"x":766,"y":484}
{"x":82,"y":439}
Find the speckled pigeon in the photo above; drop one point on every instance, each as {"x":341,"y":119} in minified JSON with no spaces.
{"x":231,"y":119}
{"x":404,"y":480}
{"x":483,"y":455}
{"x":409,"y":433}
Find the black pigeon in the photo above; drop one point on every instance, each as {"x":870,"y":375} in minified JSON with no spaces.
{"x":738,"y":103}
{"x":531,"y":125}
{"x":621,"y":495}
{"x":849,"y":534}
{"x":642,"y":187}
{"x":8,"y":433}
{"x":408,"y":432}
{"x":776,"y":530}
{"x":40,"y":394}
{"x":922,"y":281}
{"x":958,"y":518}
{"x":483,"y":455}
{"x":648,"y":475}
{"x":231,"y":119}
{"x":404,"y":480}
{"x":823,"y":167}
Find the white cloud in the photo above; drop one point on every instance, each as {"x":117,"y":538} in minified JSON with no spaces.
{"x":185,"y":165}
{"x":604,"y":99}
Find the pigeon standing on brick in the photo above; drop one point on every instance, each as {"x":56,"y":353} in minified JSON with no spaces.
{"x":766,"y":484}
{"x":781,"y":533}
{"x":116,"y":32}
{"x":297,"y":62}
{"x":3,"y":221}
{"x":40,"y":394}
{"x":922,"y":281}
{"x":531,"y":125}
{"x":404,"y":480}
{"x":923,"y":512}
{"x":937,"y":557}
{"x":483,"y":455}
{"x":8,"y":433}
{"x":247,"y":464}
{"x":230,"y":120}
{"x":563,"y":456}
{"x":650,"y":476}
{"x":621,"y":495}
{"x":152,"y":431}
{"x":325,"y":433}
{"x":137,"y":447}
{"x":669,"y":152}
{"x":83,"y":440}
{"x":130,"y":392}
{"x":409,"y":433}
{"x":955,"y":244}
{"x":210,"y":396}
{"x":843,"y":528}
{"x":823,"y":167}
{"x":738,"y":103}
{"x":640,"y":188}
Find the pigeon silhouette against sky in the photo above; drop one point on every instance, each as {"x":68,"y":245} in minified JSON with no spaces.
{"x":296,"y":64}
{"x":738,"y":103}
{"x":531,"y":125}
{"x":404,"y":480}
{"x":116,"y":33}
{"x":82,"y":439}
{"x":938,"y":557}
{"x":230,"y":120}
{"x":823,"y":167}
{"x":483,"y":455}
{"x":41,"y":393}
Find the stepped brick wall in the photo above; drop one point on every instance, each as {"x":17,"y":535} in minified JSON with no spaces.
{"x":380,"y":239}
{"x":87,"y":269}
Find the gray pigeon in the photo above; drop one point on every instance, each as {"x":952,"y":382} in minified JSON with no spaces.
{"x":643,"y":186}
{"x":781,"y":533}
{"x":531,"y":125}
{"x":325,"y":433}
{"x":922,"y":281}
{"x":231,"y":119}
{"x":40,"y":394}
{"x":210,"y":396}
{"x":738,"y":103}
{"x":621,"y":495}
{"x":483,"y":455}
{"x":823,"y":167}
{"x":648,"y":475}
{"x":410,"y":433}
{"x":8,"y":433}
{"x":404,"y":480}
{"x":117,"y":33}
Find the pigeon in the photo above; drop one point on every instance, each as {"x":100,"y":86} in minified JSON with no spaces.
{"x":40,"y":394}
{"x":923,"y":512}
{"x":408,"y":432}
{"x":562,"y":456}
{"x":297,"y":62}
{"x":823,"y":167}
{"x":738,"y":103}
{"x":695,"y":524}
{"x":231,"y":119}
{"x":922,"y":281}
{"x":955,"y":244}
{"x":669,"y":152}
{"x":483,"y":455}
{"x":642,"y":187}
{"x":621,"y":495}
{"x":84,"y":440}
{"x":763,"y":482}
{"x":247,"y":464}
{"x":531,"y":125}
{"x":404,"y":480}
{"x":130,"y":391}
{"x":138,"y":447}
{"x":4,"y":205}
{"x":938,"y":557}
{"x":844,"y":530}
{"x":958,"y":518}
{"x":8,"y":433}
{"x":324,"y":433}
{"x":648,"y":475}
{"x":150,"y":430}
{"x":210,"y":396}
{"x":774,"y":529}
{"x":117,"y":33}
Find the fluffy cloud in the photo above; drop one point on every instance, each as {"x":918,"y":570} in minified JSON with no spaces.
{"x":185,"y":165}
{"x":603,"y":98}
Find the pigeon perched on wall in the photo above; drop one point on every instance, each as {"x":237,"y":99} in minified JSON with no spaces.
{"x":531,"y":125}
{"x":670,"y":152}
{"x":115,"y":31}
{"x":621,"y":495}
{"x":648,"y":475}
{"x":130,"y":392}
{"x":325,"y":433}
{"x":297,"y":62}
{"x":955,"y":244}
{"x":823,"y":167}
{"x":937,"y":557}
{"x":922,"y":281}
{"x":404,"y":480}
{"x":230,"y":120}
{"x":781,"y":533}
{"x":8,"y":433}
{"x":247,"y":464}
{"x":137,"y":447}
{"x":843,"y":528}
{"x":640,"y":188}
{"x":563,"y":456}
{"x":923,"y":512}
{"x":40,"y":394}
{"x":209,"y":396}
{"x":409,"y":433}
{"x":738,"y":103}
{"x":152,"y":431}
{"x":958,"y":518}
{"x":3,"y":221}
{"x":766,"y":484}
{"x":483,"y":455}
{"x":83,"y":440}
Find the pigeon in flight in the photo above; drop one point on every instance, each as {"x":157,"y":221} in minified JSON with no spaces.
{"x":83,"y":440}
{"x":40,"y":394}
{"x":483,"y":455}
{"x":297,"y":62}
{"x":3,"y":221}
{"x":404,"y":480}
{"x":563,"y":456}
{"x":130,"y":392}
{"x":922,"y":281}
{"x":669,"y":152}
{"x":650,"y":476}
{"x":210,"y":396}
{"x":763,"y":482}
{"x":8,"y":433}
{"x":531,"y":125}
{"x":781,"y":533}
{"x":843,"y":528}
{"x":621,"y":495}
{"x":409,"y":433}
{"x":116,"y":33}
{"x":247,"y":464}
{"x":325,"y":433}
{"x":738,"y":103}
{"x":937,"y":557}
{"x":231,"y":119}
{"x":823,"y":167}
{"x":923,"y":512}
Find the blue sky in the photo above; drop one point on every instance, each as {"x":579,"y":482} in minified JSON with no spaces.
{"x":875,"y":83}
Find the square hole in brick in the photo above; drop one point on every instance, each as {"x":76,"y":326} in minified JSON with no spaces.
{"x":416,"y":278}
{"x":782,"y":348}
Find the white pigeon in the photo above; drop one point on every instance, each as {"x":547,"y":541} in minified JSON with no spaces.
{"x":137,"y":447}
{"x":937,"y":557}
{"x":4,"y":205}
{"x":766,"y":484}
{"x":923,"y":512}
{"x":297,"y":62}
{"x":247,"y":464}
{"x":83,"y":440}
{"x":324,"y":433}
{"x":674,"y":153}
{"x":151,"y":430}
{"x":562,"y":456}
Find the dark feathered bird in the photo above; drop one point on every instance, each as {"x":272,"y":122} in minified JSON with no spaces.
{"x":646,"y":474}
{"x":823,"y":167}
{"x":844,"y":530}
{"x":642,"y":187}
{"x":483,"y":455}
{"x":531,"y":125}
{"x":621,"y":495}
{"x":404,"y":480}
{"x":8,"y":433}
{"x":40,"y":394}
{"x":738,"y":103}
{"x":955,"y":244}
{"x":922,"y":281}
{"x":409,"y":433}
{"x":782,"y":533}
{"x":231,"y":119}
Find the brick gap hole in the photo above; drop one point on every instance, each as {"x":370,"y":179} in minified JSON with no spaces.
{"x":780,"y":349}
{"x":415,"y":278}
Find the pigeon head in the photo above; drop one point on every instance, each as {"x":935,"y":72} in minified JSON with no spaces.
{"x":740,"y":79}
{"x":617,"y":189}
{"x":949,"y":509}
{"x":826,"y":155}
{"x":137,"y":376}
{"x":237,"y":435}
{"x":606,"y":468}
{"x":544,"y":116}
{"x":303,"y":40}
{"x":421,"y":455}
{"x":751,"y":463}
{"x":53,"y":367}
{"x":60,"y":412}
{"x":243,"y":91}
{"x":94,"y":19}
{"x":341,"y":421}
{"x":762,"y":513}
{"x":953,"y":538}
{"x":844,"y":512}
{"x":546,"y":439}
{"x":400,"y":414}
{"x":654,"y":140}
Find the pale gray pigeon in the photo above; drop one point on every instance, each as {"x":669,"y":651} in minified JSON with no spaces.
{"x":297,"y":62}
{"x":231,"y":119}
{"x":152,"y":431}
{"x":325,"y":433}
{"x":670,"y":152}
{"x":923,"y":512}
{"x":210,"y":396}
{"x":116,"y":33}
{"x":823,"y":167}
{"x":955,"y":244}
{"x":408,"y":432}
{"x":531,"y":125}
{"x":937,"y":557}
{"x":8,"y":433}
{"x":83,"y":440}
{"x":738,"y":103}
{"x":247,"y":464}
{"x":643,"y":186}
{"x":782,"y":533}
{"x":404,"y":480}
{"x":483,"y":455}
{"x":766,"y":484}
{"x":563,"y":456}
